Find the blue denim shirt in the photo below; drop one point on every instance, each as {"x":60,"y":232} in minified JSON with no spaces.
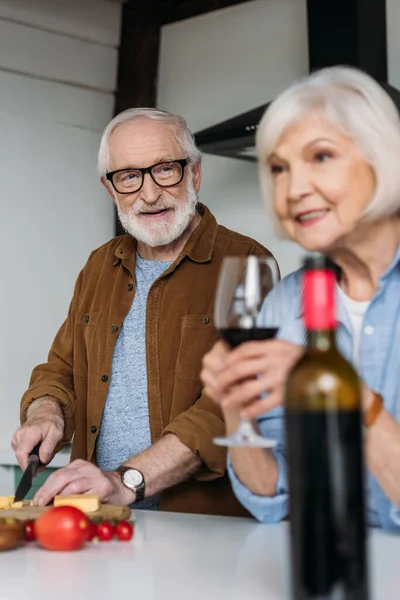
{"x":379,"y":367}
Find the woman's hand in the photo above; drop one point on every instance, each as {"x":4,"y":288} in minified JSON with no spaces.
{"x":214,"y":363}
{"x":235,"y":379}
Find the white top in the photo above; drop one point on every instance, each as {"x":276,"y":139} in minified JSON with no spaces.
{"x":356,"y":310}
{"x":179,"y":557}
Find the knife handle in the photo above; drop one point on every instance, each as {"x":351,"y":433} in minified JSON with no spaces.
{"x":35,"y":451}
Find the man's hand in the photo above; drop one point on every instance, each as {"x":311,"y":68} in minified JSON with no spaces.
{"x":237,"y":379}
{"x":45,"y":425}
{"x":82,"y":477}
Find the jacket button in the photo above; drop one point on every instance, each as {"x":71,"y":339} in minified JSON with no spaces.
{"x":104,"y":377}
{"x":130,"y":287}
{"x":93,"y":429}
{"x":206,"y":320}
{"x":86,"y":319}
{"x":114,"y":328}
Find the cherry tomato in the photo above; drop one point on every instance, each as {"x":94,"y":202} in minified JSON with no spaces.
{"x":62,"y":528}
{"x":105,"y":531}
{"x":91,"y":531}
{"x":124,"y":531}
{"x":30,"y":531}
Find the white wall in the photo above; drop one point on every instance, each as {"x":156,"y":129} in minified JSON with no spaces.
{"x":393,"y":41}
{"x":218,"y":65}
{"x":58,"y":66}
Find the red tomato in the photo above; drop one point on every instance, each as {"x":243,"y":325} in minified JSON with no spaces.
{"x":62,"y":528}
{"x":105,"y":531}
{"x":124,"y":531}
{"x":91,"y":531}
{"x":30,"y":531}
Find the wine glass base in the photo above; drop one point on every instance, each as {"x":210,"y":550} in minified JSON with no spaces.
{"x":244,"y":441}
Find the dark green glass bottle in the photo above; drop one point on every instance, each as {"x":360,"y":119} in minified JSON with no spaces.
{"x":325,"y":455}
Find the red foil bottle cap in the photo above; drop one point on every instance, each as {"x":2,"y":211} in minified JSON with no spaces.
{"x":319,"y":299}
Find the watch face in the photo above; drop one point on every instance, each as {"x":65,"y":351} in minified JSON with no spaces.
{"x":133,"y":478}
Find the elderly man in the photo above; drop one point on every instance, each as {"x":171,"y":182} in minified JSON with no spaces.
{"x":123,"y":373}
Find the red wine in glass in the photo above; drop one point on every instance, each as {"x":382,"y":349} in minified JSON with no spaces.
{"x":235,"y":336}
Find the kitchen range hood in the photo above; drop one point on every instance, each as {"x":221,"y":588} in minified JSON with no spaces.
{"x":235,"y":138}
{"x":351,"y":32}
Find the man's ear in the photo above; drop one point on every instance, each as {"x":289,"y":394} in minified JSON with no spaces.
{"x":109,"y":189}
{"x":197,"y":172}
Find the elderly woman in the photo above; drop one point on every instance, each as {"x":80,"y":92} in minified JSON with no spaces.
{"x":329,"y":163}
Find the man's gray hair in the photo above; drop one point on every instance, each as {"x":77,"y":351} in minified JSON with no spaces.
{"x":353,"y":101}
{"x":181,"y":130}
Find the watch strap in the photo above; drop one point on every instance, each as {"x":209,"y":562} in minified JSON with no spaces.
{"x":139,"y":492}
{"x":374,"y":410}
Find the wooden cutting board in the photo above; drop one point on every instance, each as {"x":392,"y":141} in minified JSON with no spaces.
{"x":107,"y":512}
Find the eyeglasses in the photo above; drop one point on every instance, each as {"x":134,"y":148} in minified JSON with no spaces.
{"x":165,"y":174}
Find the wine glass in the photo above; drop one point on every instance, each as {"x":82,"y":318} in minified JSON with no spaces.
{"x":243,"y":312}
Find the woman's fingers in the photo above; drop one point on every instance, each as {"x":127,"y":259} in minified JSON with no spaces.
{"x":253,"y":368}
{"x":216,"y":357}
{"x":244,"y":369}
{"x":236,"y":379}
{"x":262,"y":405}
{"x":269,"y":357}
{"x":250,"y":390}
{"x":244,"y":392}
{"x":213,"y":364}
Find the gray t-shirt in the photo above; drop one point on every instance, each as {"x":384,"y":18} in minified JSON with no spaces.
{"x":125,"y":427}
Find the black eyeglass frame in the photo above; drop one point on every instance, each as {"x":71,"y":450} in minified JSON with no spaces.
{"x":183,"y":162}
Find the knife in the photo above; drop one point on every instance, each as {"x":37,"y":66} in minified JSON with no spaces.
{"x":26,"y":480}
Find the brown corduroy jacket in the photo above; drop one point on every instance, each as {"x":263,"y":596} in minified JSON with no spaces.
{"x":179,"y":331}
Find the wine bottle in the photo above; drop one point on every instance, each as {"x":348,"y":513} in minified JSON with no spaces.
{"x":323,"y":424}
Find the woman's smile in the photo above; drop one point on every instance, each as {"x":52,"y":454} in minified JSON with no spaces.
{"x":311,"y":217}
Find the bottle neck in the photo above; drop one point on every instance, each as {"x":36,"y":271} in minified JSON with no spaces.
{"x":321,"y":339}
{"x":319,"y":293}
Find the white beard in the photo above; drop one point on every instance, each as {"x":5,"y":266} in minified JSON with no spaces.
{"x":160,"y":233}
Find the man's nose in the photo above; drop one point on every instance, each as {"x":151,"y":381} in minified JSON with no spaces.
{"x":150,"y":191}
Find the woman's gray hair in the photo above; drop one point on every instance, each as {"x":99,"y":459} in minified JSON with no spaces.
{"x":181,"y":130}
{"x":356,"y":103}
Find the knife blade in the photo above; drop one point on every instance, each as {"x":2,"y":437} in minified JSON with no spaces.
{"x":26,"y":480}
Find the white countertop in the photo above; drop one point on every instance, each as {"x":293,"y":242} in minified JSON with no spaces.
{"x":7,"y":458}
{"x":178,"y":557}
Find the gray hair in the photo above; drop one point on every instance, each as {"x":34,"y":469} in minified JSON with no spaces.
{"x":181,"y":130}
{"x":353,"y":101}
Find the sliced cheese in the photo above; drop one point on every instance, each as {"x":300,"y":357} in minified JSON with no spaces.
{"x":22,"y":504}
{"x":6,"y":501}
{"x":87,"y":503}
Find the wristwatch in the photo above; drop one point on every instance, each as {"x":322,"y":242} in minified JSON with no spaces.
{"x":133,"y":479}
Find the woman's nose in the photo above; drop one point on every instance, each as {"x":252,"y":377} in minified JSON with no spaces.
{"x":300,"y":184}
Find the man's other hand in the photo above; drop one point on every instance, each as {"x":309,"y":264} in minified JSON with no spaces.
{"x":44,"y":425}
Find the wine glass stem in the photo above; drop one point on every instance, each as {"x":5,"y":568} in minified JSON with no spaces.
{"x":246,"y":428}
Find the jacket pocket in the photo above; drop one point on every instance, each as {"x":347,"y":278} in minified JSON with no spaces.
{"x":86,"y":324}
{"x":198,"y":336}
